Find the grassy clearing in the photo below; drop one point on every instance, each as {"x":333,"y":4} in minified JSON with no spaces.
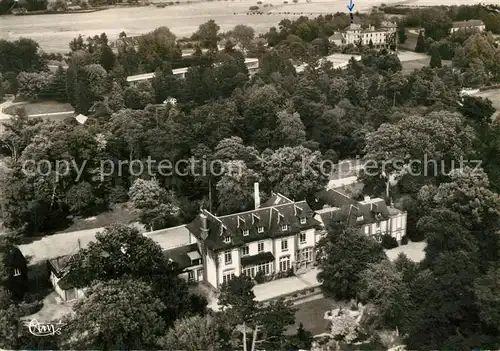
{"x":410,"y":66}
{"x":311,"y":314}
{"x":42,"y":107}
{"x":119,"y":213}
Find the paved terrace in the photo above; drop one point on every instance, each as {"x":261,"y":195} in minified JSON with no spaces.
{"x":288,"y":286}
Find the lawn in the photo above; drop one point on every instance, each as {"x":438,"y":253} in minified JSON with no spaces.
{"x":410,"y":42}
{"x":311,"y":314}
{"x":410,"y":66}
{"x":43,"y":107}
{"x":119,"y":213}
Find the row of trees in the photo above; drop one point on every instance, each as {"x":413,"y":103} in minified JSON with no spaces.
{"x":449,"y":300}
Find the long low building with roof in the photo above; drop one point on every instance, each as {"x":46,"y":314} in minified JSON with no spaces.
{"x":251,"y":63}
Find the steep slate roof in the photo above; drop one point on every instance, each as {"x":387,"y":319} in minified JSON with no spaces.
{"x":373,"y":210}
{"x":58,"y":266}
{"x":277,"y":211}
{"x":180,"y":255}
{"x":469,"y":23}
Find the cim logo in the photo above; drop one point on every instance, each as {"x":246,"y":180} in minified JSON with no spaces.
{"x":44,"y":329}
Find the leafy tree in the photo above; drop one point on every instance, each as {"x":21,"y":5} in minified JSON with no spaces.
{"x":295,"y":172}
{"x":208,"y":34}
{"x":436,"y":23}
{"x":487,"y":299}
{"x":117,"y":314}
{"x":9,"y":321}
{"x":344,"y":255}
{"x":382,"y":284}
{"x":121,"y":252}
{"x":115,"y":99}
{"x":22,"y":55}
{"x":139,"y":95}
{"x":273,"y":321}
{"x":291,"y":130}
{"x":243,"y":35}
{"x":477,"y":109}
{"x":402,"y":33}
{"x":158,"y":208}
{"x":31,"y":85}
{"x":302,"y":340}
{"x":107,"y":57}
{"x":438,"y":138}
{"x":190,"y":334}
{"x":435,"y":58}
{"x":420,"y":47}
{"x":235,"y":188}
{"x":80,"y":197}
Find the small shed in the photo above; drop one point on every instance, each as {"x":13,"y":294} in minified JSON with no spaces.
{"x":81,"y":118}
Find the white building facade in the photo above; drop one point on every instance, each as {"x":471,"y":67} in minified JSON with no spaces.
{"x":356,"y":35}
{"x":372,"y":214}
{"x":468,"y":25}
{"x":278,"y":237}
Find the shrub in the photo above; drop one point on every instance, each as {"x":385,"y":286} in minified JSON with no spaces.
{"x":260,"y":277}
{"x":388,"y":242}
{"x":404,"y":240}
{"x":253,"y":8}
{"x":118,"y":195}
{"x":259,"y":2}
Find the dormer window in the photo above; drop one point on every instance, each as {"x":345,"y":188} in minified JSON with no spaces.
{"x":359,"y":219}
{"x":303,"y":220}
{"x":284,"y":227}
{"x":246,"y":232}
{"x":227,"y":240}
{"x":260,"y":229}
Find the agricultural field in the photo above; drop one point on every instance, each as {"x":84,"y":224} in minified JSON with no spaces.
{"x":54,"y":32}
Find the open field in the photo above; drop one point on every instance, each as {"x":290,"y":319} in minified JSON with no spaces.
{"x":43,"y":107}
{"x":54,"y":32}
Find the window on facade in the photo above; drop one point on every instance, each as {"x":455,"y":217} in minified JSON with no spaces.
{"x":284,"y":263}
{"x":284,"y":227}
{"x":359,"y":219}
{"x":227,"y":276}
{"x":303,"y":220}
{"x":245,"y":251}
{"x":306,"y":254}
{"x":228,"y":258}
{"x":260,"y":247}
{"x":284,"y":245}
{"x":302,"y":238}
{"x":227,"y":240}
{"x":260,"y":229}
{"x":17,"y":272}
{"x":196,"y":262}
{"x":246,"y":232}
{"x":191,"y":275}
{"x":252,"y":271}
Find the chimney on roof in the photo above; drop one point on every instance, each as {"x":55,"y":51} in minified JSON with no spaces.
{"x":256,"y":194}
{"x":204,"y":226}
